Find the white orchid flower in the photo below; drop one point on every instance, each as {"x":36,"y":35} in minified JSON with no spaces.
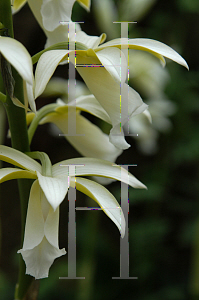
{"x":105,"y":81}
{"x":40,"y":247}
{"x":17,"y":55}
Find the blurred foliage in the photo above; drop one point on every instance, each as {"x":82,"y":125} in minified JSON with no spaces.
{"x":163,"y":220}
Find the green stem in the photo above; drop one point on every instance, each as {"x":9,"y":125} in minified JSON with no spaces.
{"x":6,"y":16}
{"x":2,"y":97}
{"x":40,"y":115}
{"x":19,"y":137}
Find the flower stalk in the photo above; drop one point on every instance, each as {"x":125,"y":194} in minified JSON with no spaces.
{"x":19,"y":138}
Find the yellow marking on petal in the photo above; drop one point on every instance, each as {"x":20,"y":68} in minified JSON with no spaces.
{"x":159,"y":56}
{"x":103,"y":38}
{"x":85,"y":3}
{"x":29,"y":117}
{"x":90,"y":52}
{"x":18,"y":5}
{"x":134,"y":47}
{"x":18,"y":158}
{"x":12,"y":173}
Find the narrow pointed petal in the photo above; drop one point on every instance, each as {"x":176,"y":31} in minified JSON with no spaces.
{"x":88,"y":104}
{"x":18,"y":57}
{"x":14,"y":173}
{"x":52,"y":226}
{"x":34,"y":230}
{"x":92,"y":142}
{"x":96,"y":167}
{"x":18,"y":159}
{"x":46,"y":66}
{"x":91,"y":105}
{"x":155,"y":47}
{"x":55,"y":189}
{"x":90,"y":41}
{"x":30,"y":96}
{"x":104,"y":198}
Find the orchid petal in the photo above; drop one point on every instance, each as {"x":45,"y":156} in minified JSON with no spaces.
{"x":104,"y":198}
{"x":18,"y":159}
{"x":92,"y":143}
{"x":95,"y":167}
{"x":39,"y":259}
{"x":34,"y":230}
{"x":95,"y":78}
{"x":55,"y":11}
{"x":30,"y":96}
{"x":18,"y":57}
{"x":147,"y":114}
{"x":155,"y":47}
{"x":58,"y":35}
{"x":36,"y":9}
{"x":90,"y":104}
{"x":86,"y":103}
{"x":55,"y":189}
{"x":46,"y":67}
{"x":40,"y":246}
{"x":17,"y":5}
{"x":111,"y":59}
{"x":89,"y":41}
{"x":85,"y":4}
{"x":61,"y":34}
{"x":51,"y":226}
{"x":14,"y":173}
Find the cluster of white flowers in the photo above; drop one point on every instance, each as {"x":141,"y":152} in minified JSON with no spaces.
{"x":51,"y":184}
